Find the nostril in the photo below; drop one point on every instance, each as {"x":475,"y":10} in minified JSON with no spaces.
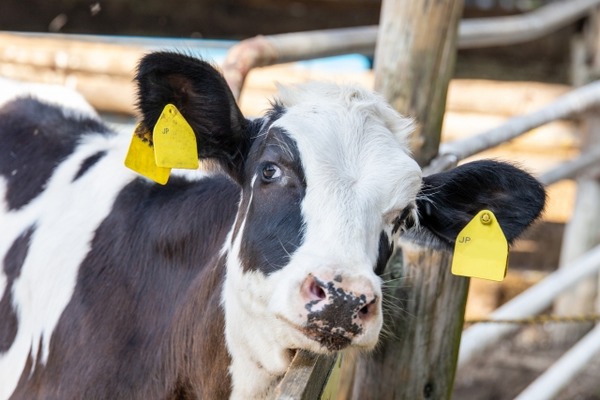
{"x":316,"y":290}
{"x":313,"y":289}
{"x":368,"y":310}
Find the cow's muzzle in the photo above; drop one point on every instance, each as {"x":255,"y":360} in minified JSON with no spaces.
{"x":338,"y":310}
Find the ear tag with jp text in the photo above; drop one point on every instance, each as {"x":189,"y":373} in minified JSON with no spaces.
{"x":174,"y":141}
{"x":481,"y":249}
{"x":140,"y":157}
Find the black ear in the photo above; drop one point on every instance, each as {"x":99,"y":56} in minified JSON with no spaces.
{"x":202,"y":96}
{"x":449,"y":200}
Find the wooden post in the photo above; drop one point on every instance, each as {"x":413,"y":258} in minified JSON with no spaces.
{"x":582,"y":232}
{"x":416,"y":358}
{"x":414,"y":61}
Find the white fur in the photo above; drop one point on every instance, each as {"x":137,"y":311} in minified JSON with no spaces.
{"x":71,"y":102}
{"x":354,"y":152}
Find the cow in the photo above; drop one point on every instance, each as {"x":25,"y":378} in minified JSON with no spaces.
{"x":115,"y":286}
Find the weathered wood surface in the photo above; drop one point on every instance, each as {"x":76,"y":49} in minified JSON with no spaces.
{"x":417,"y":355}
{"x":306,"y":377}
{"x":414,"y":61}
{"x":69,"y":55}
{"x":102,"y":72}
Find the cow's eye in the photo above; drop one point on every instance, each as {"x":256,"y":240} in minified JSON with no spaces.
{"x":270,"y":171}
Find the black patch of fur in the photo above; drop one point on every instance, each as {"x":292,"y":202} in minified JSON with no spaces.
{"x":449,"y":200}
{"x":145,"y":319}
{"x":88,"y":163}
{"x":35,"y":138}
{"x":386,"y":248}
{"x":202,"y":96}
{"x":13,"y":262}
{"x":274,"y":227}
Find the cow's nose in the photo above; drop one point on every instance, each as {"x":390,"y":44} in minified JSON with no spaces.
{"x":341,"y":301}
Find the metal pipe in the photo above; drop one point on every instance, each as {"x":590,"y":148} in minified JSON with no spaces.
{"x":532,"y":301}
{"x":261,"y":51}
{"x":551,"y":382}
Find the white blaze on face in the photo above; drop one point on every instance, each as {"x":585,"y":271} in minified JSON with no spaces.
{"x":359,"y":177}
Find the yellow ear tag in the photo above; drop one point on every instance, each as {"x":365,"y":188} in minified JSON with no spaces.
{"x":481,"y":249}
{"x":140,"y":157}
{"x":174,"y":140}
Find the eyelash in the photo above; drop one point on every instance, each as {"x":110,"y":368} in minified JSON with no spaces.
{"x":404,"y":220}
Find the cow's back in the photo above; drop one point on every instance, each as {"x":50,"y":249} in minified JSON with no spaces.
{"x":97,"y":263}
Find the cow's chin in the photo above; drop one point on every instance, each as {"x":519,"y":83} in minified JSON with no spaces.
{"x":328,"y":342}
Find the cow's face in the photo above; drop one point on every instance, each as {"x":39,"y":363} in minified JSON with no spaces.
{"x":325,"y":181}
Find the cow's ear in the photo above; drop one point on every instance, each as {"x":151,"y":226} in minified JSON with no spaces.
{"x":449,"y":200}
{"x":202,"y":96}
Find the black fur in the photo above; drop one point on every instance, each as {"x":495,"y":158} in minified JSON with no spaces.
{"x":88,"y":163}
{"x":449,"y":200}
{"x":203,"y":98}
{"x":35,"y":138}
{"x":386,"y":248}
{"x":276,"y":230}
{"x":13,"y":262}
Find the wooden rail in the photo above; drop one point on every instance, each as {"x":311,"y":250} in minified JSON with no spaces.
{"x":66,"y":57}
{"x":575,"y":102}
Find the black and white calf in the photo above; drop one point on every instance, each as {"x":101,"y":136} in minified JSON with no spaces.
{"x":112,"y":286}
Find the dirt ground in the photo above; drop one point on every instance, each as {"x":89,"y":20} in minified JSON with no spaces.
{"x":506,"y":370}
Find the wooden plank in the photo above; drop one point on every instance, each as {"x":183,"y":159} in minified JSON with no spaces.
{"x":69,"y":55}
{"x":104,"y":92}
{"x":501,"y":97}
{"x":306,"y":377}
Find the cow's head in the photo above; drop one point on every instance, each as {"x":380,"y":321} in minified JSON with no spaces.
{"x":327,"y":181}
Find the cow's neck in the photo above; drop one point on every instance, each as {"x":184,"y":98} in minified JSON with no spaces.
{"x":201,"y":321}
{"x":258,"y":361}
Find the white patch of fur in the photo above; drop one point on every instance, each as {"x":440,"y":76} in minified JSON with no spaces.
{"x":353,"y":148}
{"x":72,"y":103}
{"x":255,"y":368}
{"x":65,"y":215}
